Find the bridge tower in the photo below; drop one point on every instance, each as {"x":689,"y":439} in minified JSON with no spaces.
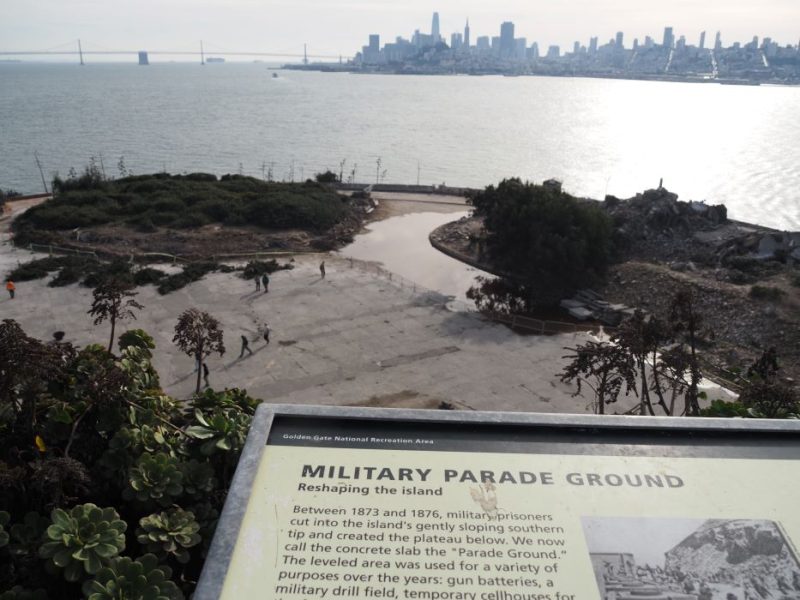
{"x":305,"y":54}
{"x":202,"y":56}
{"x":80,"y":52}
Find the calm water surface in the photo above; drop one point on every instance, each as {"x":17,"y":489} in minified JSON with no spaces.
{"x":724,"y":144}
{"x":401,"y":245}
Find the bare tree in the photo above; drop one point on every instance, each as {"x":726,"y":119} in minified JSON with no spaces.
{"x":605,"y":368}
{"x":113,"y":301}
{"x":641,"y":336}
{"x":198,"y":334}
{"x":686,"y":322}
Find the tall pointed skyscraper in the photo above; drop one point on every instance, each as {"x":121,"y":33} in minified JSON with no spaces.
{"x":466,"y":36}
{"x":435,"y":28}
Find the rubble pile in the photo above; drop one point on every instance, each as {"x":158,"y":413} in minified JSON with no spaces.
{"x":658,"y":226}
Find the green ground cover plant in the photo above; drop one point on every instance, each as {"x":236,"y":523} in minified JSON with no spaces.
{"x":110,"y":489}
{"x":147,"y":202}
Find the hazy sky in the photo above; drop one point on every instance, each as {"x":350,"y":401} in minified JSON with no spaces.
{"x":341,"y":26}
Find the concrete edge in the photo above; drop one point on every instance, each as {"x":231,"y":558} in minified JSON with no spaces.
{"x":215,"y":568}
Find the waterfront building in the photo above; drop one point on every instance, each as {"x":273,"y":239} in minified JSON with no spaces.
{"x":435,"y":28}
{"x":669,"y":38}
{"x":703,"y":41}
{"x":466,"y":35}
{"x":507,"y":39}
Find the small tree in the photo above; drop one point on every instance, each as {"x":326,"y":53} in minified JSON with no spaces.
{"x":198,"y":334}
{"x":685,"y":323}
{"x":113,"y":300}
{"x":605,"y":368}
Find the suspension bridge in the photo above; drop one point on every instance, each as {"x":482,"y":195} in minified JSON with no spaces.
{"x":77,"y":49}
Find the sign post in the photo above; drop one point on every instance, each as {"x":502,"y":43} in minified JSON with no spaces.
{"x":365,"y":503}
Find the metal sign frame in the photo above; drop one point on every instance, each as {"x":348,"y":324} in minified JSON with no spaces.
{"x":691,"y":431}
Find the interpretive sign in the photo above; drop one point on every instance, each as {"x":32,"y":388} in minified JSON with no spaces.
{"x":355,"y":503}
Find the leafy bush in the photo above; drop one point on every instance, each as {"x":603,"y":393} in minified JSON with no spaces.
{"x":147,"y":276}
{"x":547,"y":240}
{"x":155,"y":478}
{"x":723,"y":409}
{"x":169,"y":533}
{"x":83,"y":539}
{"x":142,"y":579}
{"x":326,"y":177}
{"x":106,"y":436}
{"x":190,"y":273}
{"x":162,"y":200}
{"x":771,"y":294}
{"x":256,"y":268}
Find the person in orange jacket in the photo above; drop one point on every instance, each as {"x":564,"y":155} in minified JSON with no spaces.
{"x":11,"y":288}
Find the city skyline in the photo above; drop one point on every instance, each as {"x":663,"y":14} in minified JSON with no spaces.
{"x":341,"y":27}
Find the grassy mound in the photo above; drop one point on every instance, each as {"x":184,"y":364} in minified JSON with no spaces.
{"x":146,"y":202}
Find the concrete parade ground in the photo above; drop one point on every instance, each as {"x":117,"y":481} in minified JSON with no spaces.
{"x":353,"y":338}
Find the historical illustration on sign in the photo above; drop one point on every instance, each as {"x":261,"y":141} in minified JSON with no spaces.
{"x":691,"y":559}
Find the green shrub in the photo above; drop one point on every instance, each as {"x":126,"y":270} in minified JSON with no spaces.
{"x":147,"y":276}
{"x":190,"y":273}
{"x":723,"y":409}
{"x":131,"y":452}
{"x":83,"y":539}
{"x":161,"y":200}
{"x":551,"y":242}
{"x":155,"y":478}
{"x":771,"y":294}
{"x":256,"y":268}
{"x":169,"y":534}
{"x":141,"y":579}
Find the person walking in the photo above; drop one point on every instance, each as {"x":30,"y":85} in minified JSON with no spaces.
{"x":12,"y":289}
{"x":322,"y":269}
{"x":266,"y":333}
{"x":245,"y":346}
{"x":265,"y":282}
{"x":258,"y":283}
{"x":205,"y":374}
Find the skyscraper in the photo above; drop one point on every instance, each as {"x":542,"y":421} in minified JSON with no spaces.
{"x":435,"y":28}
{"x":669,"y":37}
{"x":507,"y":39}
{"x":703,"y":41}
{"x":619,"y":42}
{"x":593,"y":45}
{"x":718,"y":41}
{"x":466,"y":35}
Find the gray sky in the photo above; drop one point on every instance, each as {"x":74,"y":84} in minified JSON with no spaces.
{"x":341,"y":26}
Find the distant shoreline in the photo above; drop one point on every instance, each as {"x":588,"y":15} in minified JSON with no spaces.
{"x":337,"y":68}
